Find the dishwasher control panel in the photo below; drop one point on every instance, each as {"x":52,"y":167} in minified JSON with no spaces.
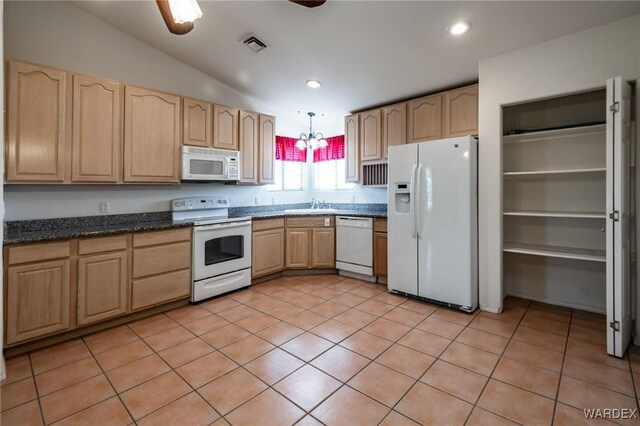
{"x":354,"y":222}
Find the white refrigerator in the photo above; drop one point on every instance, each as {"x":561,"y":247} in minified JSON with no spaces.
{"x":433,"y":221}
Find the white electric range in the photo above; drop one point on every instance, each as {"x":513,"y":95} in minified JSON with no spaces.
{"x":221,"y":256}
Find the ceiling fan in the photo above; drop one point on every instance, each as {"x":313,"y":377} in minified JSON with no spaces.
{"x":179,"y":15}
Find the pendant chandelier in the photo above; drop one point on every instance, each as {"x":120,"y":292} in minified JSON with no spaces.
{"x":312,"y":140}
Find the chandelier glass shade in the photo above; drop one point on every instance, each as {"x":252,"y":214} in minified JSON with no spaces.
{"x":312,"y":140}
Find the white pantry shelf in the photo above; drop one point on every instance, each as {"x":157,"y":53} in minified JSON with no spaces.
{"x":577,"y":215}
{"x":554,"y":251}
{"x":549,"y":173}
{"x":558,"y":134}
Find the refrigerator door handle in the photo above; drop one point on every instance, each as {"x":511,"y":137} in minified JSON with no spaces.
{"x":416,"y":206}
{"x":412,"y":201}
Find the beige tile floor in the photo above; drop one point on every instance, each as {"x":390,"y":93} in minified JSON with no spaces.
{"x":323,"y":349}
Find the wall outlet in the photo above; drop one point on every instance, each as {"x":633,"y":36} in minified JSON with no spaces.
{"x":105,"y":206}
{"x":255,"y":200}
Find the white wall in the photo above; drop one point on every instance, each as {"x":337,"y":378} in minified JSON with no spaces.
{"x":569,"y":64}
{"x":60,"y":35}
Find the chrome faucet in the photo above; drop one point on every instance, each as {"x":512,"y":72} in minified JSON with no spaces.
{"x":314,"y":203}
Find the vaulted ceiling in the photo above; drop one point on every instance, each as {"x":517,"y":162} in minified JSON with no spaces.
{"x":365,"y":53}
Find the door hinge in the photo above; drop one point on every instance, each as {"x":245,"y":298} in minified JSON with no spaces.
{"x":615,"y":325}
{"x":615,"y":107}
{"x":615,"y":216}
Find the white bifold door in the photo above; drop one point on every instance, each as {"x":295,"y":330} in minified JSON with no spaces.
{"x":618,"y":212}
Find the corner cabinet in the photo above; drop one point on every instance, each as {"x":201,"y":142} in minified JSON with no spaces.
{"x":310,"y":242}
{"x":225,"y":127}
{"x":38,"y":124}
{"x":97,"y":132}
{"x":196,"y":123}
{"x":352,"y":148}
{"x":461,"y":112}
{"x":267,"y":149}
{"x":249,"y":145}
{"x":151,"y":136}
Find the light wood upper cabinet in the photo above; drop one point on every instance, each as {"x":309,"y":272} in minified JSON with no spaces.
{"x":225,"y":127}
{"x":268,"y":252}
{"x":267,"y":149}
{"x":196,"y":123}
{"x":151,"y":136}
{"x":37,"y":299}
{"x":97,"y":135}
{"x":38,"y":124}
{"x":394,"y":126}
{"x":371,"y":135}
{"x":424,"y":119}
{"x":102,"y":287}
{"x":249,"y":129}
{"x":461,"y":112}
{"x":352,"y":148}
{"x":323,"y":248}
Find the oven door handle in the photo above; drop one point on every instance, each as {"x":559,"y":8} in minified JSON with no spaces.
{"x":222,"y":226}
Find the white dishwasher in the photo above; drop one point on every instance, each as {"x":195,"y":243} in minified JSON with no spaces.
{"x":354,"y":245}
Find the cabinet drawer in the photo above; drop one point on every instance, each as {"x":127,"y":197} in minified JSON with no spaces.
{"x":159,"y":289}
{"x":160,"y":259}
{"x":102,"y":245}
{"x":39,"y":252}
{"x":263,"y":224}
{"x":310,"y":221}
{"x":161,"y":237}
{"x":380,"y":225}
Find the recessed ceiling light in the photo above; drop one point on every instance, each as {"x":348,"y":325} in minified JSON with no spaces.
{"x":459,"y":28}
{"x":314,"y":84}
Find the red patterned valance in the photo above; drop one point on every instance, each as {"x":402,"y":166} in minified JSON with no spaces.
{"x":286,"y":150}
{"x":333,"y":151}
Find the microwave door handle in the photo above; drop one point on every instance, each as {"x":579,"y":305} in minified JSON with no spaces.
{"x":221,"y":226}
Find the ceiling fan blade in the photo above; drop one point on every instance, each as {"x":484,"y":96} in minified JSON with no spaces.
{"x":174,"y":28}
{"x":309,"y":3}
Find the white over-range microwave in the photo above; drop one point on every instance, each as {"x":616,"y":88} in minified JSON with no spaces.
{"x":205,"y":164}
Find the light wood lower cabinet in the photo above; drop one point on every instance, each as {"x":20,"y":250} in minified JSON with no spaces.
{"x":161,"y":268}
{"x":38,"y":297}
{"x":268,"y":252}
{"x":380,"y":247}
{"x":310,"y":243}
{"x":323,"y":248}
{"x":297,"y":248}
{"x":102,"y":287}
{"x":103,"y":277}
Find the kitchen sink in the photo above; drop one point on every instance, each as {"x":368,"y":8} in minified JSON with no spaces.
{"x":319,"y":211}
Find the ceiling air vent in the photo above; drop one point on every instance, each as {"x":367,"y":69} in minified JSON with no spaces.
{"x":254,"y":43}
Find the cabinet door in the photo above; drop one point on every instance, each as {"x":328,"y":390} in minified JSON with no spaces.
{"x":196,"y":123}
{"x":371,"y":135}
{"x":225,"y":127}
{"x":37,"y":300}
{"x":297,"y":248}
{"x":102,"y":287}
{"x":461,"y":112}
{"x":380,"y":254}
{"x":96,"y":139}
{"x":151,"y":136}
{"x":323,"y":252}
{"x":352,"y":148}
{"x":249,"y":128}
{"x":267,"y":148}
{"x":38,"y":124}
{"x":268,"y":252}
{"x":425,"y":119}
{"x":394,"y":126}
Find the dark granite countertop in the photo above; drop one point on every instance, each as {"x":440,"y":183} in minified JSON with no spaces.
{"x":42,"y":230}
{"x":318,"y":212}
